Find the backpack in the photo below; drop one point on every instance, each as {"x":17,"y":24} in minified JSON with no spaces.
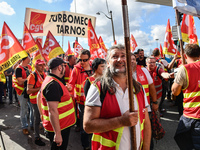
{"x":157,"y":130}
{"x":35,"y":78}
{"x":159,"y":65}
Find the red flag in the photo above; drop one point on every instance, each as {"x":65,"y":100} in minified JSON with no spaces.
{"x":29,"y":44}
{"x":93,"y":43}
{"x":161,"y":51}
{"x":11,"y":50}
{"x":103,"y":47}
{"x":169,"y":46}
{"x":51,"y":47}
{"x":77,"y":49}
{"x":40,"y":39}
{"x":133,"y":43}
{"x":37,"y":54}
{"x":188,"y":30}
{"x":115,"y":43}
{"x":69,"y":51}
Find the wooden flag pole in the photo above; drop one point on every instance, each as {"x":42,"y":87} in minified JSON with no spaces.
{"x":180,"y":36}
{"x":128,"y":67}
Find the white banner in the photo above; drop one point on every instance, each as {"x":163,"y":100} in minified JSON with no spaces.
{"x":62,"y":23}
{"x":190,"y":7}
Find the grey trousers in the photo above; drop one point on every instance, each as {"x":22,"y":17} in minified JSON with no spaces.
{"x":37,"y":120}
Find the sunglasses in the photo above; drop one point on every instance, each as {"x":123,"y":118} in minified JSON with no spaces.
{"x":84,"y":60}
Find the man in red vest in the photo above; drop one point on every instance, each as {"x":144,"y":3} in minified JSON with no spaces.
{"x":141,"y":74}
{"x":20,"y":83}
{"x":34,"y":82}
{"x":57,"y":106}
{"x":188,"y":80}
{"x":79,"y":74}
{"x":157,"y":75}
{"x":107,"y":113}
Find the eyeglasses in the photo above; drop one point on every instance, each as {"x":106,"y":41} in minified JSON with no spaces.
{"x":151,"y":62}
{"x":84,"y":60}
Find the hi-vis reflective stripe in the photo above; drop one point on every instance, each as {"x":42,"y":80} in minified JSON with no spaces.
{"x":63,"y":115}
{"x":79,"y":85}
{"x":192,"y":94}
{"x":191,"y":105}
{"x":107,"y":142}
{"x":147,"y":94}
{"x":142,"y":125}
{"x":32,"y":96}
{"x":79,"y":93}
{"x":145,"y":86}
{"x":59,"y":105}
{"x":66,"y":78}
{"x":18,"y":87}
{"x":159,"y":91}
{"x":156,"y":86}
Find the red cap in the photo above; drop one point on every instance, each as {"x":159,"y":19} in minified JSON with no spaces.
{"x":39,"y":62}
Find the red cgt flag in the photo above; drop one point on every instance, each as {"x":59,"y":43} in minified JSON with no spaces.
{"x":11,"y":50}
{"x":169,"y":46}
{"x":29,"y":44}
{"x":93,"y":43}
{"x":69,"y":51}
{"x":77,"y":49}
{"x":188,"y":29}
{"x":37,"y":54}
{"x":161,"y":51}
{"x":133,"y":43}
{"x":103,"y":47}
{"x":51,"y":47}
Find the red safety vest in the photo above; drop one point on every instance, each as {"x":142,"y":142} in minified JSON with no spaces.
{"x":2,"y":77}
{"x":110,"y":108}
{"x":20,"y":88}
{"x":65,"y":107}
{"x":141,"y":77}
{"x":157,"y":82}
{"x":33,"y":96}
{"x":191,"y":101}
{"x":68,"y":72}
{"x":77,"y":79}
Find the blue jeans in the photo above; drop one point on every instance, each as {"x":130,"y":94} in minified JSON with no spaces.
{"x":24,"y":110}
{"x":10,"y":90}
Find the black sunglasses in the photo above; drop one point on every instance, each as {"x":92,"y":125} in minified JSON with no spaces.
{"x":84,"y":60}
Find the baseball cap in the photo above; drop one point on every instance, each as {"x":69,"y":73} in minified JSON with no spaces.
{"x":54,"y":62}
{"x":39,"y":62}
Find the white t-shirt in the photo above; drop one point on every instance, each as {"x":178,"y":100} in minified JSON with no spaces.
{"x":93,"y":99}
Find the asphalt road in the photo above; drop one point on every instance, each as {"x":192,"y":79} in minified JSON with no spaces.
{"x":12,"y":137}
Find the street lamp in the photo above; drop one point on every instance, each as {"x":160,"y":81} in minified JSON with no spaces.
{"x":111,"y":18}
{"x":157,"y":42}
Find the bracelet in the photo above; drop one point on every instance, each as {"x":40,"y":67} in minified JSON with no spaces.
{"x":156,"y":102}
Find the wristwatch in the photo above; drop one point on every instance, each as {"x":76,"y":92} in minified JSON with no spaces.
{"x":156,"y":102}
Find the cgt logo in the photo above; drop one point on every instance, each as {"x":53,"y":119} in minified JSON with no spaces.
{"x":36,"y":22}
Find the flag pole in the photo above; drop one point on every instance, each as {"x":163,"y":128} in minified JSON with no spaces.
{"x":180,"y":36}
{"x":128,"y":67}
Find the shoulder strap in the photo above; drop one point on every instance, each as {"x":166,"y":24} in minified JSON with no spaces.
{"x":157,"y":69}
{"x":102,"y":95}
{"x":35,"y":74}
